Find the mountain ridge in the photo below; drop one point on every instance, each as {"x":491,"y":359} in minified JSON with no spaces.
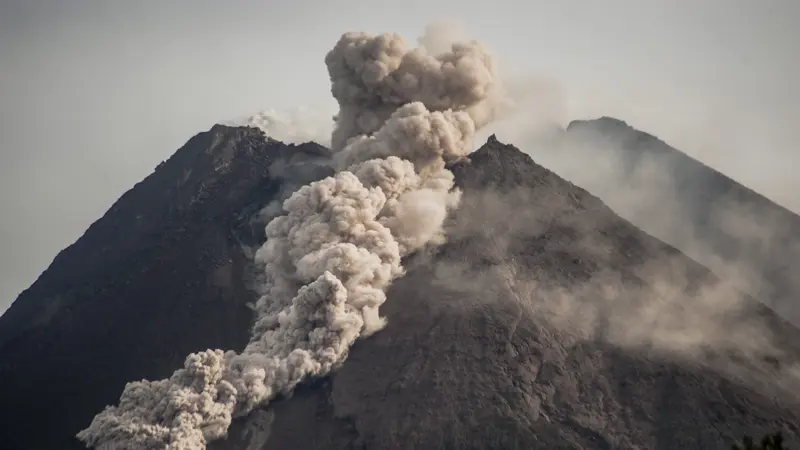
{"x":613,"y":126}
{"x":722,"y":223}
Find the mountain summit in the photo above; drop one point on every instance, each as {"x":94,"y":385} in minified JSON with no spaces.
{"x":545,"y":319}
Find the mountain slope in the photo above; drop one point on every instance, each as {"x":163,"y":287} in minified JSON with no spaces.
{"x":545,"y":320}
{"x":160,"y":275}
{"x":725,"y":225}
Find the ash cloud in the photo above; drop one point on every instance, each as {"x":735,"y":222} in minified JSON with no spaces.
{"x":403,"y":114}
{"x":294,"y":126}
{"x":338,"y":244}
{"x":668,"y":305}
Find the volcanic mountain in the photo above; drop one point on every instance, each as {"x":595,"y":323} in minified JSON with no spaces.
{"x":735,"y":231}
{"x":544,"y":320}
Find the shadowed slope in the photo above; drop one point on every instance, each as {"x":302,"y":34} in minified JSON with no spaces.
{"x":162,"y":274}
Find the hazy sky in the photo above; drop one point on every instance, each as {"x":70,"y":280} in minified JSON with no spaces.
{"x":95,"y":93}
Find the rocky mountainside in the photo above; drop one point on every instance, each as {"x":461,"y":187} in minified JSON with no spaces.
{"x":162,"y":274}
{"x":728,"y":227}
{"x":545,"y":320}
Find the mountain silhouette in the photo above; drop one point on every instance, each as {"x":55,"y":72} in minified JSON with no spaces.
{"x":544,"y":320}
{"x":728,"y":227}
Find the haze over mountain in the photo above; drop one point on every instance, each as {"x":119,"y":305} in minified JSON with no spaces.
{"x":120,"y":85}
{"x":738,"y":233}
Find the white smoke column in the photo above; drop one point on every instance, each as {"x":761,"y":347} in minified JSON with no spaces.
{"x":296,"y":126}
{"x":440,"y":36}
{"x":331,"y":257}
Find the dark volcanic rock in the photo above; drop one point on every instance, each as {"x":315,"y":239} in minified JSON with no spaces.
{"x":728,"y":227}
{"x":160,"y":275}
{"x":545,"y":320}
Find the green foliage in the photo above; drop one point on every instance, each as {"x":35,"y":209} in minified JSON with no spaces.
{"x":768,"y":442}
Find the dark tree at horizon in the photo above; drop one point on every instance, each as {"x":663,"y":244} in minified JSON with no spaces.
{"x":768,"y":442}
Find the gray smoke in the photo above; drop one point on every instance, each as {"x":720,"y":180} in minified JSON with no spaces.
{"x":404,"y":113}
{"x":295,"y":126}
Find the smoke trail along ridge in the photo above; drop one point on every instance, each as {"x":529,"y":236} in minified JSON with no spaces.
{"x":329,"y":260}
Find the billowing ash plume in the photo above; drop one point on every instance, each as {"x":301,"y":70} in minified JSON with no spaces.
{"x":403,"y":114}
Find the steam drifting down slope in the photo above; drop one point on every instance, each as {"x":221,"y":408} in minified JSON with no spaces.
{"x":403,"y":115}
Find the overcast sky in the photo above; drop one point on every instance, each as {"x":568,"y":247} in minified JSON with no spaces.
{"x":94,"y":93}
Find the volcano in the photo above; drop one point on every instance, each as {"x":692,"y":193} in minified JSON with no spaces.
{"x":545,"y":319}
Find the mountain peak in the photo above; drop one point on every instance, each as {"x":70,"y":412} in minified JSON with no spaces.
{"x":607,"y":122}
